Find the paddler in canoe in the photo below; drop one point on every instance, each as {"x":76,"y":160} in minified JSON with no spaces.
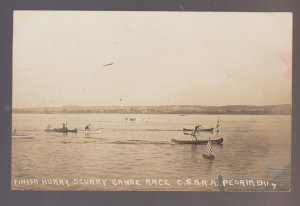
{"x":65,"y":126}
{"x":87,"y":128}
{"x":193,"y":134}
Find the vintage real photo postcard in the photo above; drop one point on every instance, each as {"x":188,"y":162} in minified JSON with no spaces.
{"x":151,"y":101}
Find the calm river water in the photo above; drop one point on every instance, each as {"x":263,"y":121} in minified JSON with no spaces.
{"x":138,"y":155}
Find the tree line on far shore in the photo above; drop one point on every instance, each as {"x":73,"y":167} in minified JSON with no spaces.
{"x":182,"y":109}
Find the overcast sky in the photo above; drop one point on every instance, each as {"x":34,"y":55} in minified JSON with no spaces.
{"x":159,"y":58}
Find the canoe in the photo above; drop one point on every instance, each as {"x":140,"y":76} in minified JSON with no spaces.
{"x":199,"y":129}
{"x":215,"y":141}
{"x":63,"y":130}
{"x":210,"y":157}
{"x":90,"y":131}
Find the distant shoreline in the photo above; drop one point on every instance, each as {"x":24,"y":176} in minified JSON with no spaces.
{"x":282,"y":109}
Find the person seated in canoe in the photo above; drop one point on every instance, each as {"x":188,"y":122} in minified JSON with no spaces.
{"x":65,"y":126}
{"x":87,"y":128}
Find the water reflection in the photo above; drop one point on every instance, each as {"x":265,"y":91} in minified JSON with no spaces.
{"x":209,"y":164}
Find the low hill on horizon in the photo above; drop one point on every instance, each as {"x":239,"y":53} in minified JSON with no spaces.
{"x":282,"y":109}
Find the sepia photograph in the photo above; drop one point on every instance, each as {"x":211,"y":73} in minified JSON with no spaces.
{"x":151,"y":101}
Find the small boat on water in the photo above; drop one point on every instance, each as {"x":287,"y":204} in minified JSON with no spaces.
{"x":90,"y":131}
{"x":63,"y":130}
{"x":130,"y":119}
{"x":208,"y":151}
{"x":197,"y":142}
{"x":198,"y":129}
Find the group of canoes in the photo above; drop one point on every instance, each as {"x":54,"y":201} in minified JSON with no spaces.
{"x":193,"y":132}
{"x":207,"y":154}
